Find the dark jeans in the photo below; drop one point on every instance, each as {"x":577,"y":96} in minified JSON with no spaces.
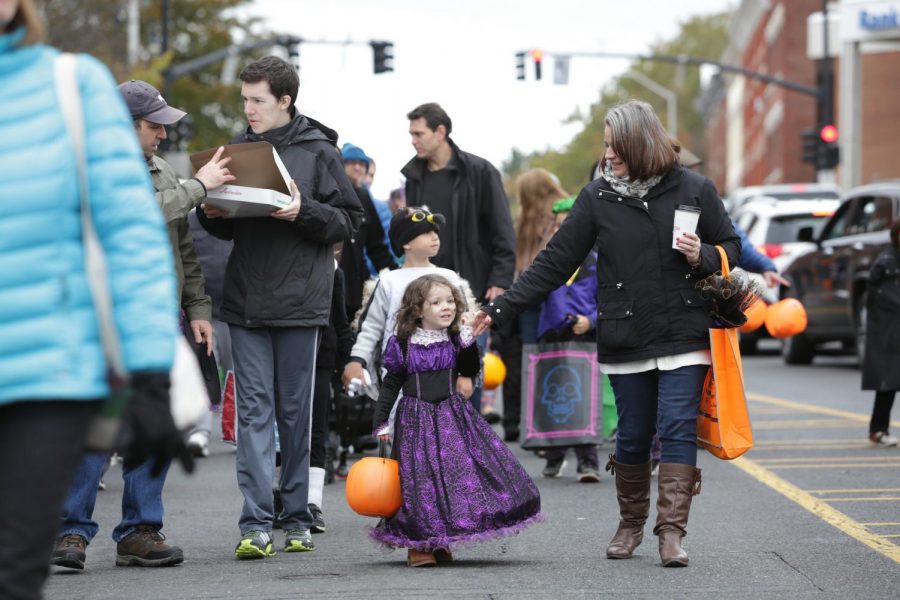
{"x":663,"y":400}
{"x":881,"y":412}
{"x":142,"y":502}
{"x":44,"y":442}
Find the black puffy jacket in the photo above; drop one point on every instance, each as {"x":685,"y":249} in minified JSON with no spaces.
{"x":648,"y":305}
{"x":880,"y":372}
{"x":280,"y":274}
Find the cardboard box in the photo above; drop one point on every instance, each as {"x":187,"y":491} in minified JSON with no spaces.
{"x":261,"y":185}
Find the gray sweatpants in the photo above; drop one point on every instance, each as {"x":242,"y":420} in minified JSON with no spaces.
{"x":269,"y":364}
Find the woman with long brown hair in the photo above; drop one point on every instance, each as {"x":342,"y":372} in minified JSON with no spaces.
{"x":536,"y":191}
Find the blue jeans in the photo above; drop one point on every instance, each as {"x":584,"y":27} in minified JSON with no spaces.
{"x":141,"y":498}
{"x":663,"y":400}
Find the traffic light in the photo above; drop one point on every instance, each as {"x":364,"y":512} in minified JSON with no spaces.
{"x":829,"y":152}
{"x":537,"y":56}
{"x":810,"y":146}
{"x":383,"y":54}
{"x":520,"y":66}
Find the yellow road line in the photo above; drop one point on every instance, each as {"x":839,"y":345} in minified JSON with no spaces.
{"x":802,"y":406}
{"x":853,"y":491}
{"x":886,"y":524}
{"x":830,"y":515}
{"x":891,"y":535}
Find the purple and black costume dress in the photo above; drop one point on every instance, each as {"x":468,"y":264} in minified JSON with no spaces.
{"x":460,"y":482}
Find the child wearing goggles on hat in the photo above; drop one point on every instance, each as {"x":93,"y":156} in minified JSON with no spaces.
{"x":413,"y":233}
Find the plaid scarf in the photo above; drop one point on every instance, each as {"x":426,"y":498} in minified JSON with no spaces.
{"x":622,"y":185}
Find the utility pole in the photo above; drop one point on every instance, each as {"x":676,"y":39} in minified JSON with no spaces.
{"x":670,"y":97}
{"x":828,"y":150}
{"x":134,"y":31}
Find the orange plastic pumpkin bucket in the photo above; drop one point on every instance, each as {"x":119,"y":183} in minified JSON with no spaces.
{"x":494,"y":370}
{"x":756,"y":316}
{"x":373,"y":486}
{"x":786,"y":318}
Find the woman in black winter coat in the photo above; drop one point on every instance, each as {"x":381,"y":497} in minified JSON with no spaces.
{"x":881,"y":367}
{"x":652,"y":329}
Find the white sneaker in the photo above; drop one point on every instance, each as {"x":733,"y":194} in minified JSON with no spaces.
{"x":883,"y":439}
{"x":198,"y":444}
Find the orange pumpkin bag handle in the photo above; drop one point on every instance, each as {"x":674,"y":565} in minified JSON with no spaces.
{"x":723,"y":258}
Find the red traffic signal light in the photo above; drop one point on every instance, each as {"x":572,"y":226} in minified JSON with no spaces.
{"x":537,"y":56}
{"x":829,"y":134}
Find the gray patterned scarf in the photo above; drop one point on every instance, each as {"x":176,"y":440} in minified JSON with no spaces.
{"x":622,"y":185}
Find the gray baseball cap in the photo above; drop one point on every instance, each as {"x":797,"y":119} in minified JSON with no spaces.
{"x":145,"y":102}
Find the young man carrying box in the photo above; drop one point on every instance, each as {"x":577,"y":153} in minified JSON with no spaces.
{"x":277,"y":294}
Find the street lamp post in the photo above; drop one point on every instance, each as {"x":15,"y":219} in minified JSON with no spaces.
{"x":670,"y":97}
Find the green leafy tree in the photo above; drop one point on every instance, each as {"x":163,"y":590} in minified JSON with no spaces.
{"x":196,"y":27}
{"x":704,"y":37}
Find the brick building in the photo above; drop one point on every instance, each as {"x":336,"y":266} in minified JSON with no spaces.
{"x":753,"y":133}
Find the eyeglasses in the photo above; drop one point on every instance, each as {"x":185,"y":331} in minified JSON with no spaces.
{"x":419,"y":216}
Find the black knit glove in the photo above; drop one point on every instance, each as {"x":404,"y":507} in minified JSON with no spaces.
{"x":148,"y":431}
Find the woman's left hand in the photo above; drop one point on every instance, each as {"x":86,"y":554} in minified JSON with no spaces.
{"x":689,"y":245}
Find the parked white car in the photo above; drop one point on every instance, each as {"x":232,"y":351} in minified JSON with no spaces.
{"x":772,"y":226}
{"x":740,"y":197}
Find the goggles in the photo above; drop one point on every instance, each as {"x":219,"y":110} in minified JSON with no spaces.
{"x":420,"y":215}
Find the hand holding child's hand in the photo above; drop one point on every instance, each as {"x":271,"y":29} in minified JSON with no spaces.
{"x":481,"y":324}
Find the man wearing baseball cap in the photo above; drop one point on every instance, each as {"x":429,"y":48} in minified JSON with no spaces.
{"x":177,"y":198}
{"x":138,"y":538}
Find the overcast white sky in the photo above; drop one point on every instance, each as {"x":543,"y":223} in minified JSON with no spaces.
{"x":460,"y":53}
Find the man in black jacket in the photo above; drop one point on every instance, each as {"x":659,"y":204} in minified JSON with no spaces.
{"x":478,"y":240}
{"x":277,"y":295}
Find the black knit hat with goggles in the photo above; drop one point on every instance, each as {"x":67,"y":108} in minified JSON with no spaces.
{"x":409,"y":223}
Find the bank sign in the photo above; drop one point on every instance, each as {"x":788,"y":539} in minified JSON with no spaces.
{"x":872,"y":20}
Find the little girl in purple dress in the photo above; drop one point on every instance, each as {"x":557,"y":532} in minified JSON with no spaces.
{"x":460,"y":482}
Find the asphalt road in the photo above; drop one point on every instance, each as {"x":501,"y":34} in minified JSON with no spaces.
{"x":811,"y":511}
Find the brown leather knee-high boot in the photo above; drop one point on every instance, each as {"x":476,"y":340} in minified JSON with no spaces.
{"x":678,"y":484}
{"x":633,"y":493}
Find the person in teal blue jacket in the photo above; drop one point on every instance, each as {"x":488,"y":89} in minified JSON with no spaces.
{"x":52,"y":367}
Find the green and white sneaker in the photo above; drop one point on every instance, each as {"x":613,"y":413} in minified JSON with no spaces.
{"x":254,"y":544}
{"x":298,"y":540}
